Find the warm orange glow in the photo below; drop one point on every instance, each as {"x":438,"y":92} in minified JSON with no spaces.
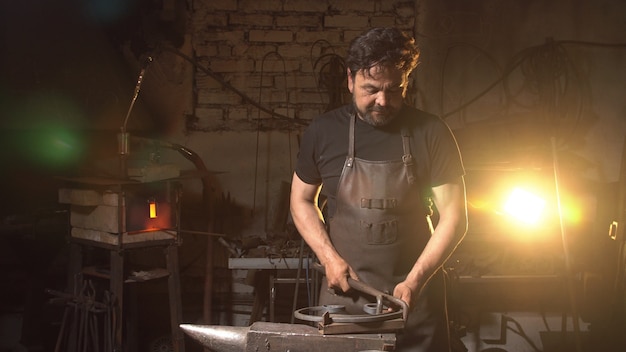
{"x":572,"y":211}
{"x":153,"y":209}
{"x":524,"y":206}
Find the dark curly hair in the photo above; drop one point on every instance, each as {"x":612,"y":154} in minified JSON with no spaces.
{"x":382,"y":46}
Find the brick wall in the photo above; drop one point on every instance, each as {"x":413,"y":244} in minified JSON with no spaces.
{"x":277,"y":54}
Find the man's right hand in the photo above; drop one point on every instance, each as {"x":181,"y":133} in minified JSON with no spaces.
{"x":337,"y":273}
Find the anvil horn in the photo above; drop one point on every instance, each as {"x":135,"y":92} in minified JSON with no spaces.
{"x":218,"y":338}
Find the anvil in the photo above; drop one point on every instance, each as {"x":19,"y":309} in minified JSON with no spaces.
{"x":281,"y":337}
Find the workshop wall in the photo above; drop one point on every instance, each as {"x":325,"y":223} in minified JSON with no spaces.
{"x":278,"y":54}
{"x":263,"y":70}
{"x":236,"y":81}
{"x":480,"y":69}
{"x":510,"y":74}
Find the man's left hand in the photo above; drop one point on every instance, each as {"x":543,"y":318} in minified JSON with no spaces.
{"x":404,"y":292}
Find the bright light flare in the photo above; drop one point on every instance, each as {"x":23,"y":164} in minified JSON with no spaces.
{"x":524,"y":206}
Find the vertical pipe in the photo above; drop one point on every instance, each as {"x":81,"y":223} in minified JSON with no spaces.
{"x":566,"y":251}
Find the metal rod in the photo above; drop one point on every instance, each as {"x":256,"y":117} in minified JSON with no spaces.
{"x":566,"y":251}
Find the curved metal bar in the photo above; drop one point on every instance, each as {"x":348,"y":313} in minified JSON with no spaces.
{"x":316,"y":314}
{"x":380,"y":296}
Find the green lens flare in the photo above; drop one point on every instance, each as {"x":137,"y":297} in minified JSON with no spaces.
{"x":54,"y":147}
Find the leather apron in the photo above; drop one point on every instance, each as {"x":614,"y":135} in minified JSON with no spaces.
{"x":380,"y":227}
{"x":380,"y":224}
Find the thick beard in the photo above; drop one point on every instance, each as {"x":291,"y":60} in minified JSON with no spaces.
{"x":367,"y":116}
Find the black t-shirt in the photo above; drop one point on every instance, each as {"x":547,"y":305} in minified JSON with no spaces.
{"x":324,"y":147}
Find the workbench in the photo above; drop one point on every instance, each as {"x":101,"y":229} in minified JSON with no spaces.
{"x":268,"y":277}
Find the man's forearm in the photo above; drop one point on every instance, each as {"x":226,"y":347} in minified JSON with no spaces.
{"x":311,"y":227}
{"x":438,"y":249}
{"x":450,"y":230}
{"x":308,"y":221}
{"x":310,"y":224}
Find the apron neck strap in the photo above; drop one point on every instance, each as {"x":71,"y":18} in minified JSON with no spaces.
{"x":351,"y":137}
{"x":350,"y":158}
{"x":407,"y":158}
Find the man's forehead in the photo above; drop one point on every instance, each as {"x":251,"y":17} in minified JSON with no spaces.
{"x":382,"y":72}
{"x":377,"y":70}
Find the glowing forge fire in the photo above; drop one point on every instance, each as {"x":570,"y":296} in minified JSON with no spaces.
{"x":524,"y":206}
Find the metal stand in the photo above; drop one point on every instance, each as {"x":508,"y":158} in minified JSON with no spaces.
{"x":118,"y":246}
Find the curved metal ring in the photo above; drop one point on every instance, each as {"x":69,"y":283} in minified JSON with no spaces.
{"x":314,"y":314}
{"x":374,"y":308}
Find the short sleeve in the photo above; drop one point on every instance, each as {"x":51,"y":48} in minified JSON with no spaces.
{"x":306,"y":165}
{"x":446,"y":161}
